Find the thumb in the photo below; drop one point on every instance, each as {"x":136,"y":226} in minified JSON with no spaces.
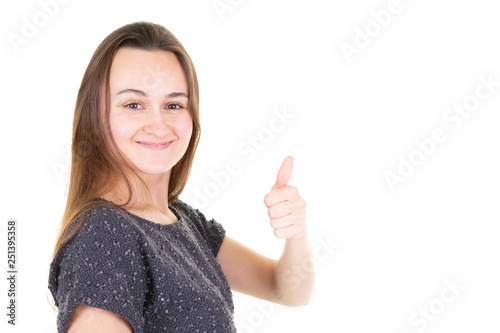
{"x":284,"y":174}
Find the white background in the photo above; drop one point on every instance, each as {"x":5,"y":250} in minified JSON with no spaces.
{"x":393,"y":250}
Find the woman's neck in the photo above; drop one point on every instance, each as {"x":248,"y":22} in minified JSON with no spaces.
{"x":156,"y":190}
{"x":140,"y":204}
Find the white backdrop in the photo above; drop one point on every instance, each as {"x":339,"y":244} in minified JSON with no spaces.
{"x":390,"y":109}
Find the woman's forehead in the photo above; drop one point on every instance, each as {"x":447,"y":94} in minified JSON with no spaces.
{"x":147,"y":71}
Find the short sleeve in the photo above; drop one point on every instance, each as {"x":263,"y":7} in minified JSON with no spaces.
{"x":102,"y":267}
{"x":213,"y":232}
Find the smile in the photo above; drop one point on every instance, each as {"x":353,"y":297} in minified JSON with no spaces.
{"x":154,"y":146}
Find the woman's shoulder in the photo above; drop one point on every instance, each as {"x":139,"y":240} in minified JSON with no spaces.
{"x":105,"y":221}
{"x":100,"y":229}
{"x":210,"y":230}
{"x":192,"y":215}
{"x":105,"y":237}
{"x":187,"y":211}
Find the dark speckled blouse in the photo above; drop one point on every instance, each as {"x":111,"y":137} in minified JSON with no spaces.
{"x":160,"y":278}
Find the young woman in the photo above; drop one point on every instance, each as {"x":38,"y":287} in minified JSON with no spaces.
{"x":130,"y":256}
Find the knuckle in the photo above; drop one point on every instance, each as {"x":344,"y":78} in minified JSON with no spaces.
{"x":303,"y":203}
{"x":267,"y":199}
{"x":299,"y":205}
{"x":272,"y":211}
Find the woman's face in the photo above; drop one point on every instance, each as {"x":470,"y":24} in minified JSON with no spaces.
{"x":149,"y":116}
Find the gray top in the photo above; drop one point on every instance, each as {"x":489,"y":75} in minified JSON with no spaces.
{"x":160,"y":278}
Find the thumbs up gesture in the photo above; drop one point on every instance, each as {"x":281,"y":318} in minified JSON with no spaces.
{"x":285,"y":207}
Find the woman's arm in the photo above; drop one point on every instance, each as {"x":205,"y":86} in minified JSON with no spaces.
{"x":290,"y":280}
{"x":295,"y":272}
{"x":95,"y":320}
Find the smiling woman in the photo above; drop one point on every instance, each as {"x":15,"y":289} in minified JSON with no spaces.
{"x":130,"y":256}
{"x":151,"y":126}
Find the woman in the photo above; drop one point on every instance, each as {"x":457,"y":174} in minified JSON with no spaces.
{"x":130,"y":256}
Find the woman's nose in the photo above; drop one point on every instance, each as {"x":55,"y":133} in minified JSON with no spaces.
{"x":156,"y":124}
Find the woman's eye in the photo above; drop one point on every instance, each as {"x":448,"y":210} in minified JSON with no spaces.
{"x":174,"y":106}
{"x":133,"y":106}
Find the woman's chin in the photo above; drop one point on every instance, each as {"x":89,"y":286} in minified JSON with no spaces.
{"x":155,"y":171}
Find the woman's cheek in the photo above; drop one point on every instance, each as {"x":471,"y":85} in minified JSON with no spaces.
{"x":122,"y":129}
{"x":185,"y":127}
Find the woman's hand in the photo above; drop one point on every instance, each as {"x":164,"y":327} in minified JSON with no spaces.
{"x":290,"y":280}
{"x":285,"y":207}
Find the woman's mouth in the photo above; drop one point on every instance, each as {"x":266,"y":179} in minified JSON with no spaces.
{"x":154,"y":145}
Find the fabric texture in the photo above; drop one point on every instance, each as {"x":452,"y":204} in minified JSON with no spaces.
{"x":160,"y":278}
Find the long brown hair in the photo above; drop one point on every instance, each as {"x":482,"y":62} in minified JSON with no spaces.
{"x":96,"y":165}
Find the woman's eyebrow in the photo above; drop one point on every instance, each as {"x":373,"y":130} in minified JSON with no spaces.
{"x":142,"y":93}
